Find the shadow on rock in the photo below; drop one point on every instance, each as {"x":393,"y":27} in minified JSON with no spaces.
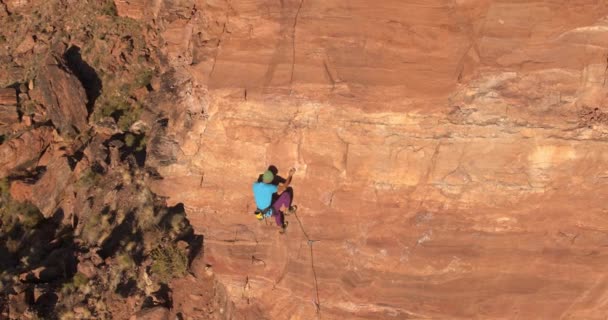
{"x":175,"y":222}
{"x":86,"y":74}
{"x":120,"y":235}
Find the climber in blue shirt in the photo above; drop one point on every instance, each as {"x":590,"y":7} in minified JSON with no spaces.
{"x":271,"y":187}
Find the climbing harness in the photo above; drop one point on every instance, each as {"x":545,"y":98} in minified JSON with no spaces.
{"x":263,"y":214}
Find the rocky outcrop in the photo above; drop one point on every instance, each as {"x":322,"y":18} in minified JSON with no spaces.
{"x":13,"y":6}
{"x":8,"y":97}
{"x":449,"y":156}
{"x":52,"y":184}
{"x":23,"y":150}
{"x":202,"y":296}
{"x":63,"y":97}
{"x":81,"y":234}
{"x":138,"y":9}
{"x":8,"y":107}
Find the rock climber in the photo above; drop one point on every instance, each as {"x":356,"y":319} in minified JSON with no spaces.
{"x":273,"y":196}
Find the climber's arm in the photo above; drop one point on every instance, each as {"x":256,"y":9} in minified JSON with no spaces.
{"x":285,"y":185}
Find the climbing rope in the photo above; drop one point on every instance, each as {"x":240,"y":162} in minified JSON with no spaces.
{"x":310,"y":242}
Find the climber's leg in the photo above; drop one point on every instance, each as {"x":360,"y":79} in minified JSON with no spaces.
{"x":283,"y":202}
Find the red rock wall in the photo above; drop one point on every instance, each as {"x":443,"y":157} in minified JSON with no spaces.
{"x":451,"y":163}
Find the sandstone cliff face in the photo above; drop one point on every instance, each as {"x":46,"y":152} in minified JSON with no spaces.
{"x":451,"y":156}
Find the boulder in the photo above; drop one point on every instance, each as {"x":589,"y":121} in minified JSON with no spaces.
{"x":26,"y":45}
{"x":87,"y":268}
{"x":8,"y":107}
{"x":52,"y":185}
{"x":63,"y":97}
{"x":8,"y":97}
{"x":24,"y":149}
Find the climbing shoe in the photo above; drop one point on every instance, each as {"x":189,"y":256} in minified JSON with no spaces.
{"x":259,"y":215}
{"x":292,"y":209}
{"x":284,"y":227}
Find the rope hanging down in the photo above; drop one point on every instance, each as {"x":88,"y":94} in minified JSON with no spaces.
{"x":310,"y":242}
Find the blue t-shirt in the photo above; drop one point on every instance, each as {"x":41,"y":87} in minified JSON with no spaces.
{"x":262,"y":192}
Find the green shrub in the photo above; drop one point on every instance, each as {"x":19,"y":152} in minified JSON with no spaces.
{"x":129,"y":140}
{"x":89,"y":178}
{"x":168,"y":262}
{"x":114,"y":104}
{"x":4,"y":188}
{"x":128,"y":118}
{"x":125,"y":261}
{"x":121,"y":110}
{"x":138,"y":143}
{"x":142,"y":144}
{"x":96,"y":228}
{"x":28,"y":214}
{"x":177,"y":222}
{"x":78,"y":282}
{"x":12,"y":212}
{"x":144,"y":78}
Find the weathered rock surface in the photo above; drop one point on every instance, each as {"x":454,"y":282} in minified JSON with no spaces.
{"x":138,"y":9}
{"x":451,"y":156}
{"x":201,"y":297}
{"x":64,"y":98}
{"x":81,"y":235}
{"x":156,"y":313}
{"x":8,"y":107}
{"x":8,"y":97}
{"x":13,"y":6}
{"x":24,"y":149}
{"x":52,"y":184}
